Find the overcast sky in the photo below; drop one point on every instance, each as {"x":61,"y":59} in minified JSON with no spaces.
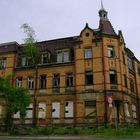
{"x":52,"y":19}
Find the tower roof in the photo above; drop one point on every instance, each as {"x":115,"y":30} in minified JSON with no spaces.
{"x":105,"y":25}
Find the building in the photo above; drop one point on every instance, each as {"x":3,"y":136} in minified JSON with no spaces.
{"x":87,"y":79}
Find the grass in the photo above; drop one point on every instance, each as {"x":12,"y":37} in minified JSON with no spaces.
{"x":125,"y":132}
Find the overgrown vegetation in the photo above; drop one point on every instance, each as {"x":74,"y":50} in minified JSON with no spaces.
{"x":15,"y":100}
{"x":102,"y":132}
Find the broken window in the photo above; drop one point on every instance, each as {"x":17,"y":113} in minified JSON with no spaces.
{"x":113,"y":77}
{"x":56,"y":80}
{"x":30,"y":82}
{"x":69,"y":79}
{"x":19,"y":82}
{"x":111,"y":52}
{"x":43,"y":81}
{"x":89,"y":78}
{"x":45,"y":58}
{"x":88,"y":53}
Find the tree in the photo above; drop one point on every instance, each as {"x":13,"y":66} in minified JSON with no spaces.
{"x":32,"y":54}
{"x":30,"y":49}
{"x":16,"y":100}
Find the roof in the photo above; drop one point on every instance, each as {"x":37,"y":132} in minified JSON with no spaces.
{"x":8,"y":47}
{"x":106,"y":27}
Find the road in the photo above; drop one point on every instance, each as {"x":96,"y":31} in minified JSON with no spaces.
{"x":61,"y":138}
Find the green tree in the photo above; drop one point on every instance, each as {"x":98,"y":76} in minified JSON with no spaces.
{"x":30,"y":49}
{"x":32,"y":54}
{"x":16,"y":99}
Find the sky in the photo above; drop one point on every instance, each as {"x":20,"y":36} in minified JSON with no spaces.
{"x":52,"y":19}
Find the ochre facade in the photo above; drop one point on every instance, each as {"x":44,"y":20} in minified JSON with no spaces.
{"x":90,"y":79}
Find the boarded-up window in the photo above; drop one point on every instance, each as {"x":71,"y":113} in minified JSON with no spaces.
{"x":127,"y":110}
{"x":55,"y":110}
{"x":29,"y":112}
{"x":41,"y":110}
{"x":90,"y":108}
{"x":17,"y":115}
{"x":134,"y":114}
{"x":69,"y":109}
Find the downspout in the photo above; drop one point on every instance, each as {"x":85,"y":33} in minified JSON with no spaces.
{"x":104,"y":74}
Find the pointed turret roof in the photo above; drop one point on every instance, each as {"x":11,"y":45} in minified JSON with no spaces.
{"x":105,"y":25}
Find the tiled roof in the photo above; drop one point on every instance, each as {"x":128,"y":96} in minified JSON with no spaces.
{"x":106,"y":27}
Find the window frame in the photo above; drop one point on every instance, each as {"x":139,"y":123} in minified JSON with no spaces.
{"x":61,"y":56}
{"x":43,"y":82}
{"x":111,"y":51}
{"x":19,"y":82}
{"x":2,"y":63}
{"x":88,"y":53}
{"x":115,"y":78}
{"x":69,"y":79}
{"x":87,"y":75}
{"x":56,"y":80}
{"x":30,"y":82}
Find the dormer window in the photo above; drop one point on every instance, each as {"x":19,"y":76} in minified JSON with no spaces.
{"x":45,"y":58}
{"x":23,"y":61}
{"x":62,"y":56}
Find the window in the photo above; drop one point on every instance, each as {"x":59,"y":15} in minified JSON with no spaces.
{"x":139,"y":71}
{"x":90,"y":109}
{"x":125,"y":80}
{"x":66,"y":56}
{"x":2,"y":63}
{"x":23,"y":61}
{"x":56,"y":80}
{"x":130,"y":63}
{"x":111,"y":52}
{"x":19,"y":81}
{"x":62,"y":56}
{"x":89,"y":78}
{"x":30,"y":82}
{"x":113,"y":77}
{"x":69,"y":79}
{"x":131,"y":85}
{"x":43,"y":81}
{"x":123,"y":57}
{"x":29,"y":112}
{"x":45,"y":58}
{"x":69,"y":109}
{"x":134,"y":114}
{"x":88,"y":53}
{"x":55,"y":110}
{"x":41,"y":110}
{"x":127,"y":112}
